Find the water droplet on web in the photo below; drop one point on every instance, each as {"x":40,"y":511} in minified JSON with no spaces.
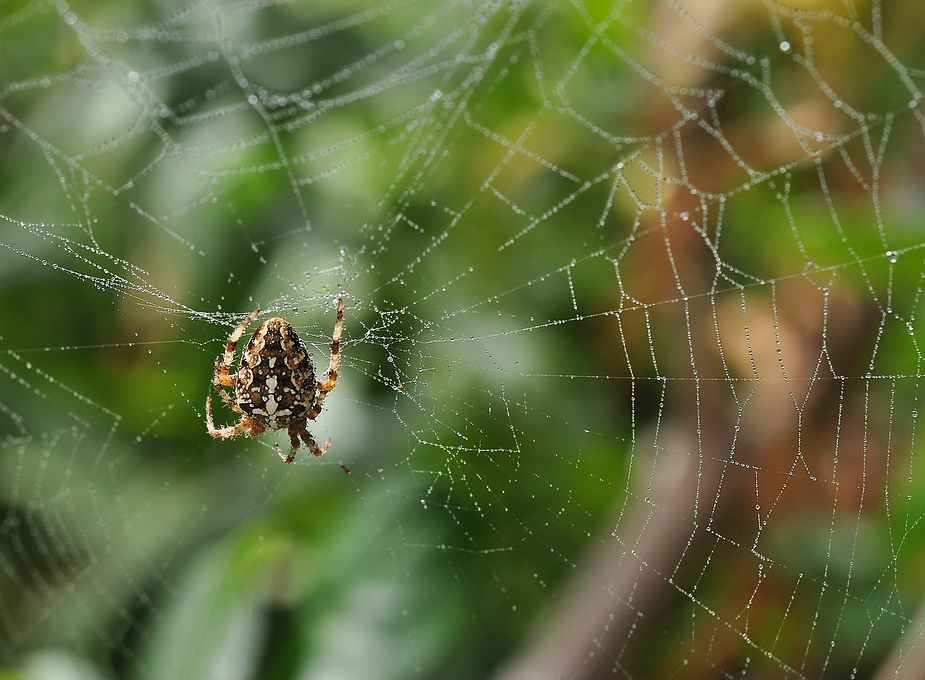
{"x":892,"y":256}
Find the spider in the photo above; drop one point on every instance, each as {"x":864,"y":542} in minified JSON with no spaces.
{"x":275,"y":386}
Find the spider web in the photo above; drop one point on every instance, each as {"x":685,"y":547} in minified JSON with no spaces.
{"x":630,"y":373}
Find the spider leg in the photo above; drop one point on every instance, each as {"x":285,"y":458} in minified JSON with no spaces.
{"x":330,"y":378}
{"x":312,"y":444}
{"x":294,"y":440}
{"x":229,"y":402}
{"x":224,"y":361}
{"x":224,"y":432}
{"x":220,"y":377}
{"x":290,"y":456}
{"x":296,"y":430}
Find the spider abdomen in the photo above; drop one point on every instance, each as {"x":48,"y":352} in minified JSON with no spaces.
{"x":276,"y":378}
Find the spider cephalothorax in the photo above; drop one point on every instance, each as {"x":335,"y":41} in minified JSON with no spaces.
{"x":275,"y":386}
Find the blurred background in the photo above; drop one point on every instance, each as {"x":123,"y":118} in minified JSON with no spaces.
{"x":631,"y":361}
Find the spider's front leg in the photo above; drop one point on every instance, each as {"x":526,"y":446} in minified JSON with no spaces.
{"x":225,"y":432}
{"x":296,"y":430}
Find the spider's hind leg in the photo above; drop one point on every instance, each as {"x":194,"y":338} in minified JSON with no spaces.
{"x":330,"y":380}
{"x":217,"y":383}
{"x":224,"y":361}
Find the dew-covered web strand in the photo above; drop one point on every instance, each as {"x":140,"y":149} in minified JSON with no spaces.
{"x":424,"y":337}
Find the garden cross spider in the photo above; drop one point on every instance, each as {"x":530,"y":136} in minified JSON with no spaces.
{"x":275,"y":386}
